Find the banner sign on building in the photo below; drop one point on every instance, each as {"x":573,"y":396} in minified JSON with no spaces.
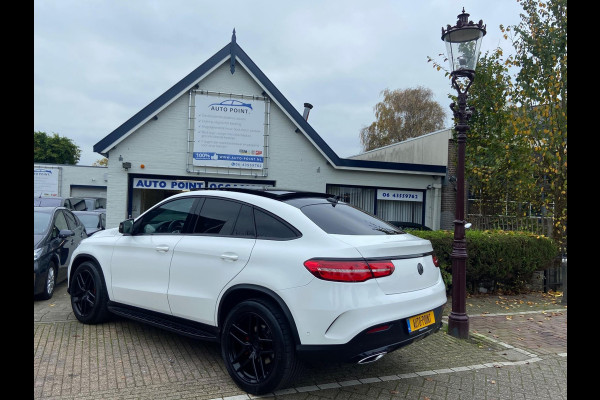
{"x":228,"y":132}
{"x":167,"y":184}
{"x":217,"y":185}
{"x":399,"y":195}
{"x":45,"y":182}
{"x":178,"y":184}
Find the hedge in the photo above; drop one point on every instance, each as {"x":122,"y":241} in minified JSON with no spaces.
{"x":495,"y":258}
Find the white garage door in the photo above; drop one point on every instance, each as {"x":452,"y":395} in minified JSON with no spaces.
{"x":79,"y":191}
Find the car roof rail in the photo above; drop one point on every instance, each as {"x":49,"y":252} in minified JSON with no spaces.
{"x":281,"y":194}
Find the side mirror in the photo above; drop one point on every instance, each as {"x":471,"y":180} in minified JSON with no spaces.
{"x":126,"y":227}
{"x":65,"y":233}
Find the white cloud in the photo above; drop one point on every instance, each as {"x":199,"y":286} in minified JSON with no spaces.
{"x":98,"y":62}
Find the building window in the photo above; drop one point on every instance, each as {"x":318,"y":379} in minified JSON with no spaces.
{"x":363,"y":198}
{"x":388,"y":210}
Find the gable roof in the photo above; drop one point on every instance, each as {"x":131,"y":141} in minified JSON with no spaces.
{"x":234,"y":53}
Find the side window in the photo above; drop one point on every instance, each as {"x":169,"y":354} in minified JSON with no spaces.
{"x":71,"y":220}
{"x":168,"y":218}
{"x":78,"y":205}
{"x":60,"y":223}
{"x":217,"y":217}
{"x":244,"y":226}
{"x":269,"y":227}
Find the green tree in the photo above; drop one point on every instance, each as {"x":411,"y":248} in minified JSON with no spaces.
{"x":54,"y":149}
{"x":540,"y":41}
{"x":401,"y":115}
{"x":517,"y":145}
{"x":497,"y":163}
{"x":103,"y":162}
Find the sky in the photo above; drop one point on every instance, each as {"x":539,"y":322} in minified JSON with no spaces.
{"x":99,"y":62}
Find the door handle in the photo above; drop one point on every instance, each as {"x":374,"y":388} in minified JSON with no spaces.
{"x":229,"y":257}
{"x":162,"y":248}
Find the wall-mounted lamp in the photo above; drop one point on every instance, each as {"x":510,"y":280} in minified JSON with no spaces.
{"x":126,"y":165}
{"x":452,"y":180}
{"x":429,"y":187}
{"x":120,"y":157}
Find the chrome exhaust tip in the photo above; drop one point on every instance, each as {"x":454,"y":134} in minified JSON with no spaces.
{"x":372,"y":358}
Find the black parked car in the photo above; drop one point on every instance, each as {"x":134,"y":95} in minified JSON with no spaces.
{"x":71,"y":203}
{"x":93,"y":221}
{"x":56,"y":234}
{"x":95,"y":203}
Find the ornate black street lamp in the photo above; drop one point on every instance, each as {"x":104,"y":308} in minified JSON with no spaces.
{"x":462,"y":44}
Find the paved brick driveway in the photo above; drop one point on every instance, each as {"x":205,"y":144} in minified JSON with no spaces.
{"x":516,"y":356}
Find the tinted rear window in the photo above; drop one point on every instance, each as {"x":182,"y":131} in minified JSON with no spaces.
{"x":344,"y":219}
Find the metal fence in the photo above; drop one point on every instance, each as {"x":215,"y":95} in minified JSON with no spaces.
{"x":537,"y":225}
{"x":555,"y":276}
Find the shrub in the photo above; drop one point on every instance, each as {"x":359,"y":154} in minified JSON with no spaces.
{"x":505,"y":259}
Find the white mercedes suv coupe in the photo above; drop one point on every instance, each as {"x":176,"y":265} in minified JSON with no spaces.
{"x":274,"y":276}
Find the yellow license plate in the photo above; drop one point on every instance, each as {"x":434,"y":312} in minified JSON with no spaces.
{"x":420,"y":321}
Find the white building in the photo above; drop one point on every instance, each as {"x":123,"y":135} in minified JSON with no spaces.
{"x":432,"y":148}
{"x":64,"y":180}
{"x":226,"y":124}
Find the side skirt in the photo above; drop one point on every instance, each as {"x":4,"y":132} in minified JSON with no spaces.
{"x":178,"y":325}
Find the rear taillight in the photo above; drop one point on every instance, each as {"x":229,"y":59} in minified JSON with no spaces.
{"x":349,"y":270}
{"x":436,"y":262}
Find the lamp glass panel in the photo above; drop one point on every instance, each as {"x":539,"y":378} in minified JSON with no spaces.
{"x":463,"y":48}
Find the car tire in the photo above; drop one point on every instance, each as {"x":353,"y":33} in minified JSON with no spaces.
{"x":49,"y":282}
{"x":89,"y":297}
{"x":258,"y":348}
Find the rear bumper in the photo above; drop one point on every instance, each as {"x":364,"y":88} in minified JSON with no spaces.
{"x":365,"y":344}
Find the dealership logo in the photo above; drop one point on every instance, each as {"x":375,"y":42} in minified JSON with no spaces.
{"x":233,"y":106}
{"x":42,"y":172}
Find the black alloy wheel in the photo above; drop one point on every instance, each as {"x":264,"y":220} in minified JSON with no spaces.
{"x":49,"y":282}
{"x":257,"y":347}
{"x":88,"y":294}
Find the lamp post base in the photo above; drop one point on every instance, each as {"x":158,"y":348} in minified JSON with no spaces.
{"x":458,"y":325}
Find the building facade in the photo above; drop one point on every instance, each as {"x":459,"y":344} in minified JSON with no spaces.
{"x":226,"y":124}
{"x":62,"y":180}
{"x":431,"y":149}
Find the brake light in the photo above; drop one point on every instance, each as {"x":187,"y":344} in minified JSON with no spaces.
{"x":436,"y":262}
{"x":381,"y":268}
{"x":349,"y":270}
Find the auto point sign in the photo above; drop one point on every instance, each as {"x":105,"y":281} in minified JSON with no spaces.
{"x":184,"y":185}
{"x":229,"y":133}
